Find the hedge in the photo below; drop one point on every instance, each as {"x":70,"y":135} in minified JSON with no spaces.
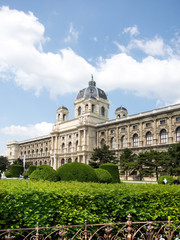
{"x":23,"y":203}
{"x":77,"y":172}
{"x":15,"y":170}
{"x":169,"y":179}
{"x":31,"y":169}
{"x":113,"y":170}
{"x":44,"y":172}
{"x":103,"y":175}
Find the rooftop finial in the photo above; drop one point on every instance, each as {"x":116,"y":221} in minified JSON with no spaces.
{"x":92,"y":82}
{"x":92,"y":77}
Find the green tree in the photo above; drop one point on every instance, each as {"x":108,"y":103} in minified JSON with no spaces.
{"x":101,"y":156}
{"x":171,"y":161}
{"x":127,"y":162}
{"x":3,"y":163}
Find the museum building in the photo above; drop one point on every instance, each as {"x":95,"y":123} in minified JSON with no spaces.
{"x":74,"y":140}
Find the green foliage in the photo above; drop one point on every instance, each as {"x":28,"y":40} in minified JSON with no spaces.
{"x":23,"y":203}
{"x":25,"y":175}
{"x":101,"y":156}
{"x":77,"y":172}
{"x":3,"y":163}
{"x":169,"y":179}
{"x":127,"y":162}
{"x":113,"y":170}
{"x":44,"y":172}
{"x":15,"y":170}
{"x":103,"y":175}
{"x":31,"y":169}
{"x":8,"y":174}
{"x":18,"y":162}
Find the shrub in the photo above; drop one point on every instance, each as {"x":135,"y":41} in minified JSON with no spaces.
{"x":77,"y":172}
{"x":31,"y":169}
{"x":15,"y":170}
{"x":113,"y":170}
{"x":25,"y":175}
{"x":44,"y":172}
{"x":169,"y":179}
{"x":103,"y":176}
{"x":8,"y":174}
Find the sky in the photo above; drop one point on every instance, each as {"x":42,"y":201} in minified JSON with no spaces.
{"x":50,"y":48}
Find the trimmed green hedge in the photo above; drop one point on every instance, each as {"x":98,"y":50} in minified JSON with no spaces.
{"x":44,"y":172}
{"x":77,"y":172}
{"x":23,"y":203}
{"x":113,"y":170}
{"x":15,"y":170}
{"x":103,"y":175}
{"x":31,"y":169}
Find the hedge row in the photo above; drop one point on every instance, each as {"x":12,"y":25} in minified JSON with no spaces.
{"x":23,"y":203}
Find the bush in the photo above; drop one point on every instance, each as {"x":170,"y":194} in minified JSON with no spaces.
{"x":23,"y":203}
{"x":15,"y":170}
{"x":77,"y":172}
{"x":25,"y":175}
{"x":44,"y":172}
{"x":31,"y":169}
{"x":113,"y":170}
{"x":169,"y":179}
{"x":8,"y":174}
{"x":103,"y":176}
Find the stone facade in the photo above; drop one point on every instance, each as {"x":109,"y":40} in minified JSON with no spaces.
{"x":74,"y":140}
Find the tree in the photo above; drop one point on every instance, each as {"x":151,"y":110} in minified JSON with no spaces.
{"x":3,"y":163}
{"x":171,"y":160}
{"x":101,"y":156}
{"x":127,"y":162}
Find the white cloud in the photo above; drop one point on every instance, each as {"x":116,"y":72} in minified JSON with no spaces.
{"x":23,"y":60}
{"x":30,"y":131}
{"x":133,"y":31}
{"x":73,"y":34}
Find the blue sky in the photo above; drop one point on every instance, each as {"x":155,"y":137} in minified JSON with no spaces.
{"x":49,"y":49}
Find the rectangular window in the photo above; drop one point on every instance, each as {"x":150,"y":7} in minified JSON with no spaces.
{"x":112,"y":131}
{"x":163,"y":121}
{"x":178,"y":119}
{"x":135,"y":127}
{"x":148,"y":125}
{"x":102,"y":133}
{"x":123,"y":129}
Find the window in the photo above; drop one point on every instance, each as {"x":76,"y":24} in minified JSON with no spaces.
{"x":102,"y":142}
{"x":123,"y":129}
{"x":112,"y":131}
{"x":69,"y":136}
{"x":123,"y":142}
{"x":163,"y":136}
{"x":135,"y":140}
{"x":79,"y":110}
{"x":93,"y":108}
{"x":102,"y":111}
{"x":113,"y":142}
{"x":135,"y":127}
{"x":69,"y":160}
{"x":62,"y":162}
{"x":149,"y":138}
{"x":102,"y":133}
{"x":178,"y":119}
{"x":70,"y":146}
{"x":63,"y":148}
{"x":178,"y":134}
{"x":163,"y":121}
{"x":148,"y":125}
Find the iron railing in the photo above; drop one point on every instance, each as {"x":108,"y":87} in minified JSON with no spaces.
{"x":155,"y":230}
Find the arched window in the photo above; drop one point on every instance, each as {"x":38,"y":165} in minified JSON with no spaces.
{"x":32,"y":152}
{"x":45,"y":162}
{"x":76,"y":159}
{"x":70,"y":146}
{"x":102,"y":142}
{"x":86,"y":108}
{"x":63,"y":148}
{"x":59,"y":117}
{"x":40,"y":163}
{"x":93,"y":108}
{"x":113,"y":142}
{"x":46,"y":151}
{"x":64,"y":117}
{"x":178,"y":134}
{"x":37,"y":152}
{"x":135,"y":140}
{"x":102,"y":111}
{"x":123,"y":142}
{"x":41,"y":151}
{"x":62,"y":162}
{"x":149,"y":138}
{"x":163,"y":136}
{"x":69,"y":160}
{"x":79,"y":110}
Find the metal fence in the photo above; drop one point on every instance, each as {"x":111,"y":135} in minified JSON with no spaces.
{"x":155,"y":230}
